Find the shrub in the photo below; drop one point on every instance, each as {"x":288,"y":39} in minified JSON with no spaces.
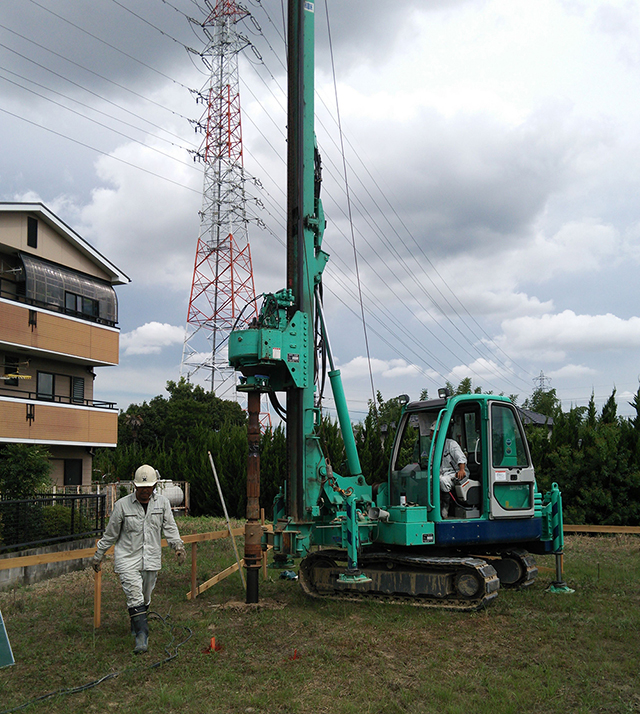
{"x":56,"y":521}
{"x":24,"y":470}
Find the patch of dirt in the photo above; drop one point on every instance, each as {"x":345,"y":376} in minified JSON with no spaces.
{"x":239,"y":606}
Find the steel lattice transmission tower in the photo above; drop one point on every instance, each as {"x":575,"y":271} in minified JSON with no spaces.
{"x":222,"y":283}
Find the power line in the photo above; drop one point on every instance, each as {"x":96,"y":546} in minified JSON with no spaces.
{"x":373,"y":225}
{"x":392,"y":326}
{"x":453,"y":293}
{"x":104,"y":126}
{"x":376,"y":228}
{"x":150,"y":24}
{"x":365,"y":216}
{"x":108,"y":44}
{"x":89,"y":91}
{"x":346,"y":187}
{"x":86,"y":106}
{"x":90,"y":71}
{"x":99,"y":151}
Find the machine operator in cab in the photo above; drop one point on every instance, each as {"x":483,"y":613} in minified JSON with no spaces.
{"x":453,"y":470}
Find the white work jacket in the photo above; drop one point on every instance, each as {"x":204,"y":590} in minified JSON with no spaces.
{"x":452,"y":455}
{"x":137,"y":535}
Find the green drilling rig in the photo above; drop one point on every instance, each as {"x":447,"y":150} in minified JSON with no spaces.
{"x":397,"y":540}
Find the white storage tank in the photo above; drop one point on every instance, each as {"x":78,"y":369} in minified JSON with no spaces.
{"x":172,"y":491}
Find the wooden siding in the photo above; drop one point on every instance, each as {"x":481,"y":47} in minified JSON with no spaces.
{"x":59,"y":334}
{"x":57,"y":423}
{"x":53,"y":244}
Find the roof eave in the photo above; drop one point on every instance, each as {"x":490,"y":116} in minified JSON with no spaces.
{"x":117,"y":277}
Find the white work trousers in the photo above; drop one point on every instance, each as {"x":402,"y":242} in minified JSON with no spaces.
{"x":138,"y":586}
{"x":448,"y":481}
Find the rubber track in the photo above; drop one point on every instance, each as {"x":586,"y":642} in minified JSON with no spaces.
{"x":529,"y":565}
{"x":483,"y":570}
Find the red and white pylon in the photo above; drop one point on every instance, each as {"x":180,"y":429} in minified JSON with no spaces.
{"x":222,"y":289}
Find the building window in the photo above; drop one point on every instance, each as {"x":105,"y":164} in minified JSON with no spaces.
{"x":32,"y":232}
{"x":80,"y":305}
{"x":77,"y":390}
{"x":11,"y":365}
{"x":45,"y":386}
{"x":71,"y":302}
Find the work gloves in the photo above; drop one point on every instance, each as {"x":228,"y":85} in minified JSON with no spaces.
{"x":95,"y":563}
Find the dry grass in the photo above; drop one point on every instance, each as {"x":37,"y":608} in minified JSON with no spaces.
{"x":531,"y":651}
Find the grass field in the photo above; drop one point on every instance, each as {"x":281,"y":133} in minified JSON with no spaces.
{"x":530,"y":651}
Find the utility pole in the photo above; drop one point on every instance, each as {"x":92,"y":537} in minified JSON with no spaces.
{"x":222,"y":285}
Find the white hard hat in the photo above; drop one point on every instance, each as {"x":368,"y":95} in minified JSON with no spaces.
{"x":145,"y":476}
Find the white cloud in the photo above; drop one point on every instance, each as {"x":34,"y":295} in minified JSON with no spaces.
{"x":151,"y":338}
{"x":479,"y":370}
{"x":572,"y":371}
{"x":132,"y":384}
{"x":623,"y":398}
{"x":577,"y":247}
{"x":552,"y":336}
{"x":621,"y":24}
{"x":147,"y":226}
{"x":29,"y":197}
{"x":490,"y":283}
{"x":359,"y":367}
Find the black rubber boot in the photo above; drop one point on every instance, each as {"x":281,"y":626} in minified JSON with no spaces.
{"x":139,"y":623}
{"x":133,"y":629}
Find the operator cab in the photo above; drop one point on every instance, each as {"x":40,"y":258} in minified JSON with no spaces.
{"x":413,"y":452}
{"x":500,"y":481}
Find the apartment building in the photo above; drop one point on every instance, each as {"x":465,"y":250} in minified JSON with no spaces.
{"x":58,"y":324}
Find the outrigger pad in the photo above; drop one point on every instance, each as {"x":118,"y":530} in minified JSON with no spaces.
{"x":356,"y":580}
{"x":562,"y":588}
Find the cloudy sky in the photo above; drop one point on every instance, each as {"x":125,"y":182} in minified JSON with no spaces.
{"x":493,"y":163}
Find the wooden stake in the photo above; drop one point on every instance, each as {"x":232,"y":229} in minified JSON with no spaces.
{"x":194,"y":555}
{"x":97,"y":598}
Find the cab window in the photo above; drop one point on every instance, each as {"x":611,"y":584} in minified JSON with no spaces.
{"x":507,"y":441}
{"x":415,"y":442}
{"x":407,"y":450}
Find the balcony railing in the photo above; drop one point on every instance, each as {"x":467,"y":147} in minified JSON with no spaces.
{"x":10,"y":295}
{"x":14,"y":393}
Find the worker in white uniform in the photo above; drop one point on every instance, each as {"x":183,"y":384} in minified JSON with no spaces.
{"x":453,"y":469}
{"x":136,"y":527}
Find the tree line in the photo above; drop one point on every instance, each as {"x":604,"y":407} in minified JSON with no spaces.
{"x":594,"y":457}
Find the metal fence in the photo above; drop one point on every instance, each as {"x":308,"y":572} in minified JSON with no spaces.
{"x":49,"y":519}
{"x":178,"y":493}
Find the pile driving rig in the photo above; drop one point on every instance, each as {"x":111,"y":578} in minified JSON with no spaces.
{"x":389,"y":541}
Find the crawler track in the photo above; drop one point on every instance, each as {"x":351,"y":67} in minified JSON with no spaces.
{"x":516,"y":568}
{"x":465,"y":583}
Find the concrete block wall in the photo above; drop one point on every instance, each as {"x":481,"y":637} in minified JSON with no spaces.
{"x":30,"y":574}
